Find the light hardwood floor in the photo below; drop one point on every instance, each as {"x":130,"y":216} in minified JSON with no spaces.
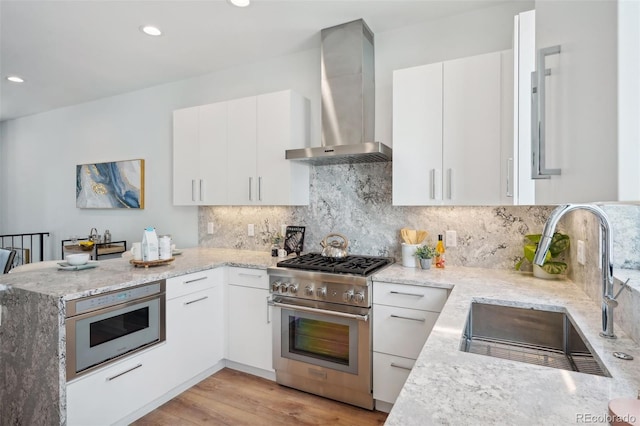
{"x":230,"y":397}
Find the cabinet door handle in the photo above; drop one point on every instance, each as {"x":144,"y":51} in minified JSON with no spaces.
{"x":408,"y":318}
{"x":193,"y":190}
{"x":124,"y":372}
{"x":196,"y":300}
{"x":393,"y":364}
{"x":195,"y":280}
{"x":407,"y":294}
{"x":201,"y":188}
{"x":538,"y":118}
{"x":509,"y":177}
{"x":244,"y":274}
{"x":259,"y":188}
{"x":449,"y":183}
{"x":268,"y":313}
{"x":250,"y":184}
{"x":432,"y":178}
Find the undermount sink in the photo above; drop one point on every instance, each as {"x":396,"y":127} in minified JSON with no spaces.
{"x":534,"y":336}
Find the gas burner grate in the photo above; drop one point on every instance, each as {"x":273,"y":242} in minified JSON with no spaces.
{"x":357,"y":265}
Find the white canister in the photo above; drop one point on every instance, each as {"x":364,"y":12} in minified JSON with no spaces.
{"x":164,"y":247}
{"x":409,"y":255}
{"x":149,"y":245}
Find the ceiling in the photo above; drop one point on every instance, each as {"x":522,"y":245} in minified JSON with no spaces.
{"x":69,"y":52}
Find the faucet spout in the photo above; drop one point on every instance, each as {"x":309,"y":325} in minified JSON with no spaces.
{"x":606,"y":256}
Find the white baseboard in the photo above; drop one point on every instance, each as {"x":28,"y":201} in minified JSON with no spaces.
{"x":385,"y":407}
{"x":265,"y":374}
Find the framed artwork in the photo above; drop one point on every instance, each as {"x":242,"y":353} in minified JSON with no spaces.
{"x":114,"y":185}
{"x":294,"y":239}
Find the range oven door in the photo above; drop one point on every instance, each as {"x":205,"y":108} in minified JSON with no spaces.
{"x":102,"y":336}
{"x":323,"y":351}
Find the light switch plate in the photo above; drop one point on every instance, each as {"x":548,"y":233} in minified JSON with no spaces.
{"x":251,"y":230}
{"x":451,"y":238}
{"x":210,"y":228}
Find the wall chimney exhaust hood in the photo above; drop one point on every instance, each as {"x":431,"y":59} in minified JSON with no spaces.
{"x":348,"y":99}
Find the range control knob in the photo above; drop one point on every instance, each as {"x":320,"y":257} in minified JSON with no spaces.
{"x":321,"y":292}
{"x":275,"y":286}
{"x":348,"y":296}
{"x":308,"y":290}
{"x":359,"y":297}
{"x":284,"y":287}
{"x":293,"y":288}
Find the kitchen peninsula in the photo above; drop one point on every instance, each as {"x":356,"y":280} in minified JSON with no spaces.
{"x":445,"y":386}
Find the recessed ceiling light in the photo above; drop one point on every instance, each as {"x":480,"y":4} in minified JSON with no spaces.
{"x":150,"y":30}
{"x":15,"y":79}
{"x":240,"y":3}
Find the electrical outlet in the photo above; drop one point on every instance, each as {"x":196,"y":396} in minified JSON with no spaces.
{"x":210,"y":228}
{"x":251,"y":230}
{"x":451,"y":238}
{"x":581,"y":253}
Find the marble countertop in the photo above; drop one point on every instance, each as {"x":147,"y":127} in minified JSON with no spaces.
{"x":448,"y":386}
{"x":113,"y":274}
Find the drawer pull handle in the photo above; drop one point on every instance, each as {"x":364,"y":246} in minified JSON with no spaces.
{"x":407,"y":294}
{"x":196,"y":300}
{"x":408,"y":318}
{"x":243,"y":274}
{"x":124,"y":372}
{"x":197,"y":279}
{"x":393,"y":364}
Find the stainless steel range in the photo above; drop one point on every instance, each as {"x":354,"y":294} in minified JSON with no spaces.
{"x":322,"y":326}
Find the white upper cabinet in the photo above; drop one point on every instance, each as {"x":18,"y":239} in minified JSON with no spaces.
{"x":241,"y":154}
{"x":241,"y":146}
{"x":199,"y":156}
{"x":448,"y":132}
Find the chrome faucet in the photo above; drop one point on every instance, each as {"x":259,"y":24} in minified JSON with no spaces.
{"x":608,"y":298}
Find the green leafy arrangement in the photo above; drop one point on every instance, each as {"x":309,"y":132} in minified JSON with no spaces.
{"x":426,"y":252}
{"x":559,"y":244}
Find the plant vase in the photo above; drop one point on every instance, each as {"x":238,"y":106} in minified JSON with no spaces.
{"x":425,"y":263}
{"x":538,"y":272}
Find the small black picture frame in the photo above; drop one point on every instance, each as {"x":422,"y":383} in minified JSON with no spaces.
{"x":294,"y":239}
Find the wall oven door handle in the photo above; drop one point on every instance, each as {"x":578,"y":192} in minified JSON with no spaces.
{"x":364,"y":318}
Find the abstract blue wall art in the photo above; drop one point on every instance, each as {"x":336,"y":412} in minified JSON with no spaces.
{"x":114,"y":185}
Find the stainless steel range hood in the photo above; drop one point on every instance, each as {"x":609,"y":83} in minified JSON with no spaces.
{"x":347,"y":60}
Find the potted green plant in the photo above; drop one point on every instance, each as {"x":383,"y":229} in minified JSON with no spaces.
{"x":425,"y":253}
{"x":553,"y":267}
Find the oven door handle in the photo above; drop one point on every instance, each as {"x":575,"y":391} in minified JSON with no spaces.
{"x":364,"y":318}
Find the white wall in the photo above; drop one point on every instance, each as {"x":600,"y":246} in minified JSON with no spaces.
{"x":38,"y":154}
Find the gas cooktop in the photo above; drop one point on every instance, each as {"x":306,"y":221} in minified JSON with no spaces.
{"x":356,"y":265}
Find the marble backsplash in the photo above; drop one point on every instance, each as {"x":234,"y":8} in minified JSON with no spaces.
{"x":355,"y":200}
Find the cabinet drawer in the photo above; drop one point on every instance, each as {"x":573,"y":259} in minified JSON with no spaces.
{"x":116,"y":391}
{"x":389,"y":375}
{"x":190,"y":283}
{"x":410,"y":296}
{"x":256,"y":278}
{"x":401,"y":331}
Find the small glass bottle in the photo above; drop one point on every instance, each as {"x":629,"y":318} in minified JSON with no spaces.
{"x":440,"y":249}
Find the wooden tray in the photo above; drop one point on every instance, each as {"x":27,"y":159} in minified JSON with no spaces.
{"x":143,"y":264}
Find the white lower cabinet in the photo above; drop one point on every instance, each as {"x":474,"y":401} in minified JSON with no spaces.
{"x":112,"y":393}
{"x":194,"y":343}
{"x":403,"y":316}
{"x":249,"y":318}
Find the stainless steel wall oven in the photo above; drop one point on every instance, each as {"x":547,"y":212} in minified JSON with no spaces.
{"x":105,"y":327}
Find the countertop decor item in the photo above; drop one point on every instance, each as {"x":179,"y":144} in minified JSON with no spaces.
{"x":86,"y":245}
{"x":143,"y":264}
{"x":113,"y":185}
{"x":294,"y":239}
{"x":425,"y":254}
{"x":553,"y":267}
{"x":77,"y":259}
{"x":334,"y":248}
{"x":413,"y":236}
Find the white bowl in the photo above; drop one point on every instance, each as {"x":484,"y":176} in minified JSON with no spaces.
{"x":77,"y":259}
